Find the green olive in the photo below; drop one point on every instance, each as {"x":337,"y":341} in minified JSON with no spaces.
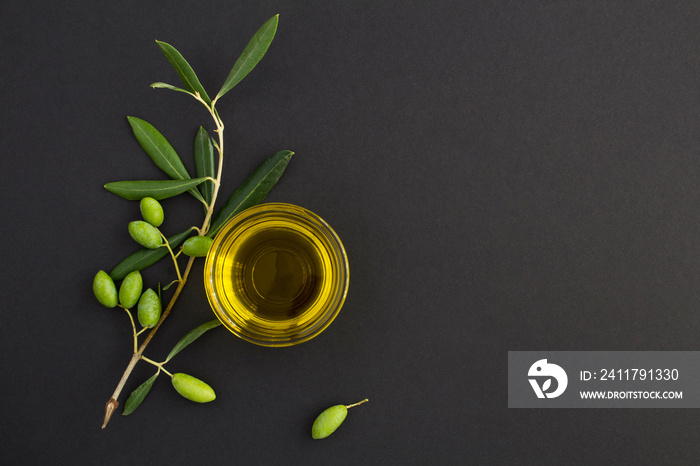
{"x":130,"y":289}
{"x":329,"y":420}
{"x":105,"y":290}
{"x":145,"y":234}
{"x":152,"y":211}
{"x":193,"y":389}
{"x":149,"y":309}
{"x":197,"y":246}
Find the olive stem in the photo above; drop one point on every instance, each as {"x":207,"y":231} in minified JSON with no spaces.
{"x":133,"y":327}
{"x":112,"y":403}
{"x":170,"y":284}
{"x":159,"y":365}
{"x":172,"y":254}
{"x":356,"y":404}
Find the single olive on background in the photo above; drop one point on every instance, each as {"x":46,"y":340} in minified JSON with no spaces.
{"x":151,"y":211}
{"x":149,"y":309}
{"x":145,"y":234}
{"x":130,"y":289}
{"x":192,"y":388}
{"x":329,"y":420}
{"x":105,"y":290}
{"x":197,"y":246}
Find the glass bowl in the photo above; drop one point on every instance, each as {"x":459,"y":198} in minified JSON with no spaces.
{"x":276,"y":275}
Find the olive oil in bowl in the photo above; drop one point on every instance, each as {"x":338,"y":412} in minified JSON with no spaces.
{"x":276,"y":275}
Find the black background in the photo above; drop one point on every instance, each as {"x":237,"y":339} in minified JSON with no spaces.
{"x":504,"y":176}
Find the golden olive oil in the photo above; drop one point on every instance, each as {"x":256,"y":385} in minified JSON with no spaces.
{"x":276,"y":275}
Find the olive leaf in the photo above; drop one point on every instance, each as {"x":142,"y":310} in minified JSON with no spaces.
{"x":157,"y":189}
{"x":191,"y":336}
{"x":204,"y":162}
{"x":160,"y":151}
{"x":160,"y":85}
{"x":254,"y":190}
{"x":252,"y":54}
{"x":184,"y":70}
{"x":138,"y":395}
{"x":158,"y":148}
{"x":146,"y":257}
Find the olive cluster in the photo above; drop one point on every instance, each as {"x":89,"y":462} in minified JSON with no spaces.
{"x":148,"y":303}
{"x":130,"y":294}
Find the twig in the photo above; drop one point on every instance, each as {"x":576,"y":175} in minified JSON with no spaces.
{"x":113,"y":402}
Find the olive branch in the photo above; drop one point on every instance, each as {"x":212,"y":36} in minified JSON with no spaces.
{"x":209,"y":158}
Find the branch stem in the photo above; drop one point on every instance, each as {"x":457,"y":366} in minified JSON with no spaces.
{"x":112,"y":404}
